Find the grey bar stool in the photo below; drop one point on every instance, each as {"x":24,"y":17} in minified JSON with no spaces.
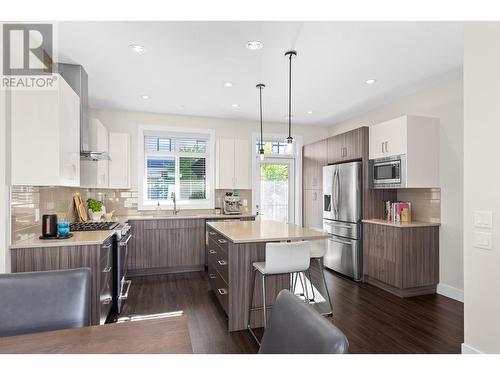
{"x":281,"y":258}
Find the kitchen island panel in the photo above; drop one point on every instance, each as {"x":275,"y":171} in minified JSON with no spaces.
{"x":241,"y":258}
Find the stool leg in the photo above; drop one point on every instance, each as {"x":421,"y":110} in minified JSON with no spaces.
{"x":264,"y":299}
{"x":326,"y":287}
{"x":251,"y":298}
{"x":311,"y":282}
{"x":250,"y":307}
{"x":299,"y":276}
{"x":305,"y":289}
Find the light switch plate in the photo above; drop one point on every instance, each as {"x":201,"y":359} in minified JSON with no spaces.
{"x":483,"y":219}
{"x":483,"y":240}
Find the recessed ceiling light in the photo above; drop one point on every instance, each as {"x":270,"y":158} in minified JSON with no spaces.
{"x":309,"y":112}
{"x":254,"y":45}
{"x":145,"y":97}
{"x":235,"y":105}
{"x":370,"y":81}
{"x":228,"y":84}
{"x":137,"y":48}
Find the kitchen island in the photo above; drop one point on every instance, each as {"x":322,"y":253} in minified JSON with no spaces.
{"x":232,"y":249}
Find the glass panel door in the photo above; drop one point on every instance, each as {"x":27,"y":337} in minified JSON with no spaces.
{"x":275,"y":190}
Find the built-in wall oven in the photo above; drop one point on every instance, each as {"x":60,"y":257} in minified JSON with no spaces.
{"x":389,"y":172}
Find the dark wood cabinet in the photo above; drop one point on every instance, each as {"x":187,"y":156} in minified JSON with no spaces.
{"x":96,"y":257}
{"x":168,"y":245}
{"x":346,"y":146}
{"x":314,"y":157}
{"x":401,"y":260}
{"x":313,"y":208}
{"x":335,"y":149}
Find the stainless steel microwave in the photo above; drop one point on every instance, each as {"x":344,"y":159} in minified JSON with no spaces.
{"x":388,"y":173}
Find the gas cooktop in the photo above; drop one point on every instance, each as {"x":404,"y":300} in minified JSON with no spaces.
{"x":92,"y":226}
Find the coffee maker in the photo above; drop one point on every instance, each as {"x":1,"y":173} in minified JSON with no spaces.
{"x":232,"y":205}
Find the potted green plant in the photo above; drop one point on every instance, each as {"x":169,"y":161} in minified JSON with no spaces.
{"x":95,"y":209}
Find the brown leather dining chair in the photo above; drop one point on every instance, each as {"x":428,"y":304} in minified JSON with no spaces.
{"x":33,"y":302}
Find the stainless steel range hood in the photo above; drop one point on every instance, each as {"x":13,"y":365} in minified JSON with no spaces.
{"x":76,"y":77}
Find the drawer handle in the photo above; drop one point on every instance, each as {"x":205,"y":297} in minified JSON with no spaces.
{"x":212,"y":276}
{"x":107,"y":246}
{"x":107,"y":269}
{"x":222,"y":291}
{"x":212,"y":233}
{"x":222,"y":262}
{"x":221,"y":240}
{"x":107,"y":301}
{"x":212,"y":251}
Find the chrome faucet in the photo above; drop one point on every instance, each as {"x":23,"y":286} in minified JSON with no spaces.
{"x":175,"y":203}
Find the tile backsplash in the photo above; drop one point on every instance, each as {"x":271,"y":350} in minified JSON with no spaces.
{"x":425,"y":203}
{"x":29,"y":203}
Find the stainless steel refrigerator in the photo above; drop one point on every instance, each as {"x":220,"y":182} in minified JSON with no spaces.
{"x":342,"y":213}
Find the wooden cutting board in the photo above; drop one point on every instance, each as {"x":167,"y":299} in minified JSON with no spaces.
{"x":80,"y":208}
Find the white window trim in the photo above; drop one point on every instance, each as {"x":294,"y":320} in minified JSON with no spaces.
{"x":207,"y":203}
{"x":298,"y":170}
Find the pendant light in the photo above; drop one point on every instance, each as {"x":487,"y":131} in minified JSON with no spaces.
{"x":260,"y":86}
{"x":289,"y":141}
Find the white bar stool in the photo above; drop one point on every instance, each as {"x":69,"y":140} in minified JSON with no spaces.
{"x":281,"y":258}
{"x":318,"y":250}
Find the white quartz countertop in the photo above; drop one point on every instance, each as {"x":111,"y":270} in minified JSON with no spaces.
{"x":413,"y":224}
{"x":181,"y":216}
{"x":78,"y":239}
{"x":265,"y":231}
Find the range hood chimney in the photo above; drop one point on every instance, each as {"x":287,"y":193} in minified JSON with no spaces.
{"x":76,"y":77}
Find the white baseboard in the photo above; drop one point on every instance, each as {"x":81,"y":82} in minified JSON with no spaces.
{"x":466,"y":349}
{"x":450,"y":292}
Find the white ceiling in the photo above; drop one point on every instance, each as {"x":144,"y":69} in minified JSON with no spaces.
{"x":186,"y":64}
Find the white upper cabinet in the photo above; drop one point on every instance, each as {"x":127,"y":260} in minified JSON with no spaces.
{"x":233,"y":164}
{"x":95,"y":174}
{"x":119,"y":165}
{"x":388,"y":138}
{"x":45,"y":136}
{"x":416,"y":137}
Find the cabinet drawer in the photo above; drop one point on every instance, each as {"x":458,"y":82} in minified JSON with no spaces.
{"x":214,"y":235}
{"x":222,"y":292}
{"x":212,"y":275}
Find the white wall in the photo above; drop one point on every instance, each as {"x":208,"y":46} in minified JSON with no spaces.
{"x":128,"y":122}
{"x":444,"y":100}
{"x":481,"y":184}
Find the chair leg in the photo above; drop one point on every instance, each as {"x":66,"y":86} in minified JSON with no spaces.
{"x":326,"y":287}
{"x":264,"y":299}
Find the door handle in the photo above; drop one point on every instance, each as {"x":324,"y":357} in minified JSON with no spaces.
{"x":222,"y":291}
{"x":212,"y":251}
{"x":386,"y":142}
{"x":382,"y":144}
{"x":222,"y":262}
{"x":107,"y":269}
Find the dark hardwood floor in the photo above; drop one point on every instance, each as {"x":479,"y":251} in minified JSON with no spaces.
{"x":373,"y":320}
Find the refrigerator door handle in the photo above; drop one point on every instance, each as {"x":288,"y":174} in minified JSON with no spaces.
{"x":336,"y":191}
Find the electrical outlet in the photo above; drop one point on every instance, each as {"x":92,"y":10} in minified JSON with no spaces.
{"x":483,"y":219}
{"x":483,"y":240}
{"x":37,"y":215}
{"x":245,"y":203}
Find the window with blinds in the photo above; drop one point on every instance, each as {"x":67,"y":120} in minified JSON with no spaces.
{"x":175,"y":164}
